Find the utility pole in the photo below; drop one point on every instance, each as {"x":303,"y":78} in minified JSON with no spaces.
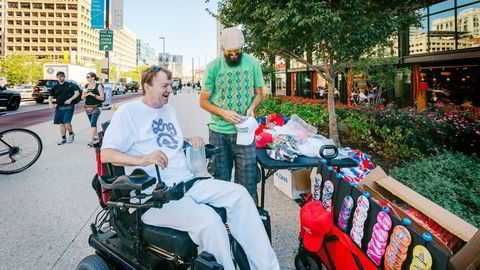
{"x":193,"y":71}
{"x":107,"y":26}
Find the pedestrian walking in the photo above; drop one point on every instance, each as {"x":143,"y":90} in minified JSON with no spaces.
{"x":65,"y":93}
{"x":232,"y":90}
{"x":93,"y":96}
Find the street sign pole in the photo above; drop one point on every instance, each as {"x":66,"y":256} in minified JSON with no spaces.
{"x":107,"y":26}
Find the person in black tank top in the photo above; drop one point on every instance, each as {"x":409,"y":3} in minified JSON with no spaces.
{"x":93,"y":96}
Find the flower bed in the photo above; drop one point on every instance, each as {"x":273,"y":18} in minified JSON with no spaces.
{"x":386,"y":132}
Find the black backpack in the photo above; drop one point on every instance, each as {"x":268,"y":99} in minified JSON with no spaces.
{"x":79,"y":98}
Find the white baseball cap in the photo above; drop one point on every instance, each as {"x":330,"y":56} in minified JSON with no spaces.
{"x":246,"y":131}
{"x":232,"y":38}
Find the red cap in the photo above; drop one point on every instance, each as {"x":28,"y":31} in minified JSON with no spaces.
{"x":315,"y":222}
{"x":260,"y":129}
{"x":275,"y":118}
{"x":263,"y":139}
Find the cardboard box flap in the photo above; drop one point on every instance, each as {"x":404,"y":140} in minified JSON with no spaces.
{"x":447,"y":220}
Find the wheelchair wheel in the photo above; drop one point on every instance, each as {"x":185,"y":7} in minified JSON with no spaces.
{"x":93,"y":262}
{"x":307,"y":261}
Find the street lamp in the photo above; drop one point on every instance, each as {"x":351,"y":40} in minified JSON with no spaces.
{"x":163,"y":43}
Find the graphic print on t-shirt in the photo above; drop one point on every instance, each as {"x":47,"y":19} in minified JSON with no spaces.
{"x":166,"y":134}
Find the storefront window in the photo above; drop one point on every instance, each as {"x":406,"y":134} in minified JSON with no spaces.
{"x":304,"y":84}
{"x":464,"y":2}
{"x":418,"y":38}
{"x":442,"y":31}
{"x":442,"y":6}
{"x":468,"y":26}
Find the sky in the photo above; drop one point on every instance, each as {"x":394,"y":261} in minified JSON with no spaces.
{"x":188,"y":29}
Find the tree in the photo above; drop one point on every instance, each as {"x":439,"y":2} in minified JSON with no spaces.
{"x":22,"y":68}
{"x":338,"y":32}
{"x":379,"y":72}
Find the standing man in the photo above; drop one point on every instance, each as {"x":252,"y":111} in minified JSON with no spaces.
{"x":64,"y":92}
{"x":232,"y":89}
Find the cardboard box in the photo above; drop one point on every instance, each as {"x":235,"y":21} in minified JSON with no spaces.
{"x":386,"y":189}
{"x":293,"y":183}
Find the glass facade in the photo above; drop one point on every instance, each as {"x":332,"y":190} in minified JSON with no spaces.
{"x":445,"y":26}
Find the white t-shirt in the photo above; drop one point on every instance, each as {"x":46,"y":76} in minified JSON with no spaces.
{"x":137,"y":129}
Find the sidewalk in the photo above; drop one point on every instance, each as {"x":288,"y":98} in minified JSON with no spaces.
{"x":48,"y":208}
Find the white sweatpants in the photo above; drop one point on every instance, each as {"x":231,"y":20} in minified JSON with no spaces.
{"x":205,"y":226}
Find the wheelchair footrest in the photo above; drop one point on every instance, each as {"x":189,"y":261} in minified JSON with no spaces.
{"x":206,"y":261}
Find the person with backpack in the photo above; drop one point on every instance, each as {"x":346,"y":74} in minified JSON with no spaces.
{"x":66,"y":95}
{"x":93,"y":96}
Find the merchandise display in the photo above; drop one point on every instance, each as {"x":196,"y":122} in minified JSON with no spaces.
{"x":396,"y":252}
{"x":378,"y":242}
{"x":327,"y":196}
{"x":345,"y":212}
{"x":359,"y":217}
{"x":316,"y":187}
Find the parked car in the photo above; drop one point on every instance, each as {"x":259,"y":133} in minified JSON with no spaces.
{"x":26,"y":91}
{"x":118,"y":88}
{"x":43,"y":89}
{"x":132,"y":86}
{"x":9,"y":99}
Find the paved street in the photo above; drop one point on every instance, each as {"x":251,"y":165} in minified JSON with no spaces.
{"x":46,"y":210}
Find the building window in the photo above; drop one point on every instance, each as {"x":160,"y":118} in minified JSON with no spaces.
{"x":44,"y":23}
{"x":58,"y":15}
{"x":26,"y":22}
{"x":10,"y":22}
{"x":74,"y":15}
{"x":62,"y":6}
{"x":58,"y":40}
{"x":66,"y":23}
{"x":11,"y":13}
{"x":18,"y":48}
{"x":35,"y":23}
{"x":18,"y":39}
{"x":66,"y":15}
{"x":43,"y":31}
{"x":51,"y":31}
{"x":51,"y":15}
{"x":35,"y":40}
{"x":66,"y":32}
{"x":50,"y":40}
{"x":26,"y":48}
{"x":26,"y":31}
{"x":26,"y":14}
{"x":12,"y":5}
{"x":49,"y":6}
{"x":10,"y":31}
{"x":25,"y":5}
{"x":18,"y":31}
{"x":58,"y":23}
{"x":43,"y":40}
{"x":37,"y":6}
{"x":72,"y":7}
{"x":43,"y":14}
{"x":35,"y":31}
{"x":51,"y":23}
{"x":58,"y":32}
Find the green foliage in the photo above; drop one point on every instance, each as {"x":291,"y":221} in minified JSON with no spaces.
{"x":135,"y":74}
{"x":22,"y":68}
{"x":450,"y":180}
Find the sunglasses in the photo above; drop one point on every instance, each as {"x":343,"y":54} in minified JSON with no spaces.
{"x":230,"y":52}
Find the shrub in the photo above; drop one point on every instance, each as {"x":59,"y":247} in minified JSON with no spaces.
{"x":450,"y":180}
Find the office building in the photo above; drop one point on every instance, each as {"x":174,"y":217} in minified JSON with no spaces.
{"x":47,"y":28}
{"x":220,"y":28}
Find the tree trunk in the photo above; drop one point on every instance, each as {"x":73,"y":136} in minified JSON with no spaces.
{"x":332,"y":116}
{"x":273,"y":77}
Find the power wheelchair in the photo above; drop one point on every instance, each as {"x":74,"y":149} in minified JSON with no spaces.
{"x":122,"y":241}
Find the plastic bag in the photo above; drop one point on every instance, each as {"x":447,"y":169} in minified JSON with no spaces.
{"x":197,"y":161}
{"x":297,"y":127}
{"x":310,"y":147}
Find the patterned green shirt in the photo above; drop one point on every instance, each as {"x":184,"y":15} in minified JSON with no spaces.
{"x":232,"y":88}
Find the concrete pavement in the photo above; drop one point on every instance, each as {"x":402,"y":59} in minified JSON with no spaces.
{"x":46,"y":210}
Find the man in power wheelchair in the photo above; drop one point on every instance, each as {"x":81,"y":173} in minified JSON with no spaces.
{"x":145,"y":134}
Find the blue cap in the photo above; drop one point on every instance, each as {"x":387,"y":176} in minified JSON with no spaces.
{"x":367,"y":194}
{"x":427,"y":237}
{"x":407,"y":222}
{"x":385,"y":209}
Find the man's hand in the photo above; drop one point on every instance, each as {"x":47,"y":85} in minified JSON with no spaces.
{"x":251,"y":112}
{"x":232,"y":117}
{"x":196,"y":142}
{"x":156,"y":157}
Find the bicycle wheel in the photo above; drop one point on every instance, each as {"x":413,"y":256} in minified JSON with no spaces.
{"x":19,"y":149}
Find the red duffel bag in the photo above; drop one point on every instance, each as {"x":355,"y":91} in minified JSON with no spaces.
{"x":334,"y":248}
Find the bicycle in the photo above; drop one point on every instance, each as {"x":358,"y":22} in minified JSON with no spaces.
{"x":19,"y":149}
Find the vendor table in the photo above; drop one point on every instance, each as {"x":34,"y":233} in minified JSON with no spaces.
{"x":271,"y":165}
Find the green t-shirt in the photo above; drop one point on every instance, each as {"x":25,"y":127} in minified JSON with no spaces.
{"x":232,"y":88}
